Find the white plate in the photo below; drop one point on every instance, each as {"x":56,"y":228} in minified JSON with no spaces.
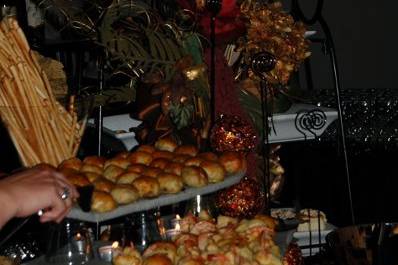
{"x":287,"y":128}
{"x":123,"y":122}
{"x":146,"y":204}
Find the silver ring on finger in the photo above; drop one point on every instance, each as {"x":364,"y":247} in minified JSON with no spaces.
{"x":65,"y":194}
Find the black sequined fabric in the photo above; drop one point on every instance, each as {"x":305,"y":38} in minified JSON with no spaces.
{"x":370,"y":116}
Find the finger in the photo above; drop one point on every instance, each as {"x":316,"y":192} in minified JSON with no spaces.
{"x":57,"y":207}
{"x":63,"y":215}
{"x":61,"y":179}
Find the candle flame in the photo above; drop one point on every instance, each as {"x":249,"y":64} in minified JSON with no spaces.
{"x":115,"y":244}
{"x":78,"y":236}
{"x":178,"y":217}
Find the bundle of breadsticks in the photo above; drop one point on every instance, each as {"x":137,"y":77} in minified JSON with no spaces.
{"x":42,"y":130}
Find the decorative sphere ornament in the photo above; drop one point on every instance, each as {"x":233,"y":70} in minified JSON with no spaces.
{"x":263,"y":63}
{"x":293,"y":255}
{"x":231,"y":133}
{"x":242,"y":200}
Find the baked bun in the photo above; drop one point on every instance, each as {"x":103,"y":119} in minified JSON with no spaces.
{"x":146,"y":148}
{"x":189,"y":260}
{"x":215,"y":171}
{"x":102,"y":184}
{"x":68,"y":171}
{"x":91,"y":168}
{"x":170,"y":183}
{"x":163,"y":154}
{"x":112,"y":173}
{"x":166,"y":144}
{"x":190,"y":150}
{"x":117,"y":161}
{"x":233,"y":162}
{"x":151,"y":172}
{"x":140,"y":157}
{"x":193,"y":161}
{"x":124,"y":154}
{"x":157,"y":259}
{"x":72,"y":163}
{"x":78,"y":179}
{"x":98,"y":161}
{"x":193,"y":176}
{"x":160,"y":163}
{"x":147,"y":187}
{"x":139,"y":168}
{"x":128,"y":177}
{"x":168,"y":249}
{"x":174,"y":168}
{"x":124,"y":194}
{"x":208,"y":156}
{"x":267,"y":220}
{"x":102,"y":202}
{"x":181,"y":158}
{"x":126,"y":260}
{"x":91,"y":176}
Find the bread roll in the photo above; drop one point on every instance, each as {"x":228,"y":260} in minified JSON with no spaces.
{"x":215,"y":171}
{"x":157,"y":259}
{"x":188,"y":260}
{"x":78,"y":179}
{"x":102,"y":184}
{"x":124,"y":154}
{"x":208,"y":156}
{"x":147,"y":187}
{"x":193,"y":176}
{"x":91,"y":176}
{"x":233,"y":162}
{"x":140,"y":157}
{"x":166,"y":144}
{"x":146,"y":148}
{"x":112,"y":173}
{"x":151,"y":172}
{"x":117,"y":161}
{"x":168,"y":249}
{"x":128,"y":177}
{"x":124,"y":194}
{"x":68,"y":171}
{"x":190,"y":150}
{"x":181,"y":158}
{"x":91,"y":168}
{"x":170,"y":183}
{"x":95,"y":160}
{"x":139,"y":168}
{"x":160,"y":163}
{"x":193,"y":161}
{"x":102,"y":202}
{"x":126,"y":260}
{"x":163,"y":154}
{"x":174,"y":168}
{"x":72,"y":163}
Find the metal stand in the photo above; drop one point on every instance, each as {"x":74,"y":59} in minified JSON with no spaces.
{"x":99,"y":118}
{"x":214,"y":7}
{"x":262,"y":63}
{"x":330,"y":49}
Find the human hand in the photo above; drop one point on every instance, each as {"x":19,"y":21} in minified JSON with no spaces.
{"x":26,"y":192}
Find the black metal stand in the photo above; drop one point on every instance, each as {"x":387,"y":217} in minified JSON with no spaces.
{"x":214,"y":7}
{"x":262,"y":63}
{"x":330,"y":49}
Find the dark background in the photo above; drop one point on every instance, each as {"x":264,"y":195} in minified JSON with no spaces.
{"x":365,"y":36}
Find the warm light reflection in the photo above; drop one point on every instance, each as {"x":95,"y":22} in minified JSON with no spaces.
{"x":115,"y":244}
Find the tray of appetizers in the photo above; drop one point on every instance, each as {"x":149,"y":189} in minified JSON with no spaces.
{"x":149,"y":177}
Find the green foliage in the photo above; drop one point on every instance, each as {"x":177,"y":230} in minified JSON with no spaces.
{"x":181,"y":115}
{"x":137,"y":40}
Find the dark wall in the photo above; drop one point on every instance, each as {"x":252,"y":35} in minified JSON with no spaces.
{"x":365,"y":34}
